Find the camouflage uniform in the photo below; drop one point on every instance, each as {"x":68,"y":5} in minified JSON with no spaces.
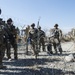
{"x":57,"y":34}
{"x":41,"y":38}
{"x":33,"y":36}
{"x":6,"y":41}
{"x":11,"y":31}
{"x":2,"y":45}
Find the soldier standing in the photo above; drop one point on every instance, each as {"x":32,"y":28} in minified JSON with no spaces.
{"x":41,"y":38}
{"x":2,"y":44}
{"x":57,"y":34}
{"x":33,"y":36}
{"x":11,"y":31}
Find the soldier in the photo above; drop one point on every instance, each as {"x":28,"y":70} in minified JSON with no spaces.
{"x":41,"y":38}
{"x":11,"y":31}
{"x":2,"y":45}
{"x":33,"y":36}
{"x":57,"y":34}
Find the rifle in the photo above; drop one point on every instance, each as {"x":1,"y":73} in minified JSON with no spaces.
{"x":0,"y":11}
{"x":38,"y":27}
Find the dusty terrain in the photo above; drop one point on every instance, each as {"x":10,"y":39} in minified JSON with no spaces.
{"x":45,"y":64}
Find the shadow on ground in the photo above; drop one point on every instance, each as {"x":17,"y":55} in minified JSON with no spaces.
{"x":30,"y":62}
{"x":26,"y":67}
{"x":42,"y":71}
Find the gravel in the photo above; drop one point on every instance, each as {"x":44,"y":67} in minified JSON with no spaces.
{"x":46,"y":64}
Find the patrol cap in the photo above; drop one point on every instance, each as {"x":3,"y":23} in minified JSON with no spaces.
{"x":56,"y":25}
{"x":33,"y":24}
{"x":9,"y":20}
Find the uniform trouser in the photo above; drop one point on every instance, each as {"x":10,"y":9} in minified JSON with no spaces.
{"x":34,"y":45}
{"x":2,"y":52}
{"x":14,"y":45}
{"x":8,"y":47}
{"x":49,"y":48}
{"x":57,"y":46}
{"x":41,"y":42}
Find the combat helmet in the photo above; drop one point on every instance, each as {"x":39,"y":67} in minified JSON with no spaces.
{"x":9,"y":20}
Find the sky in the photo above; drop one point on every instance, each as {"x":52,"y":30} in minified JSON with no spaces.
{"x":50,"y":12}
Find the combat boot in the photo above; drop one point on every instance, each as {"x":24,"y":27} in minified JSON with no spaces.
{"x":60,"y":50}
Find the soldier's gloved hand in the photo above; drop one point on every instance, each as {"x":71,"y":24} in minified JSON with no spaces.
{"x":3,"y":36}
{"x":32,"y":40}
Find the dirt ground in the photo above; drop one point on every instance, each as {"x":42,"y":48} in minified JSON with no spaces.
{"x":46,"y":64}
